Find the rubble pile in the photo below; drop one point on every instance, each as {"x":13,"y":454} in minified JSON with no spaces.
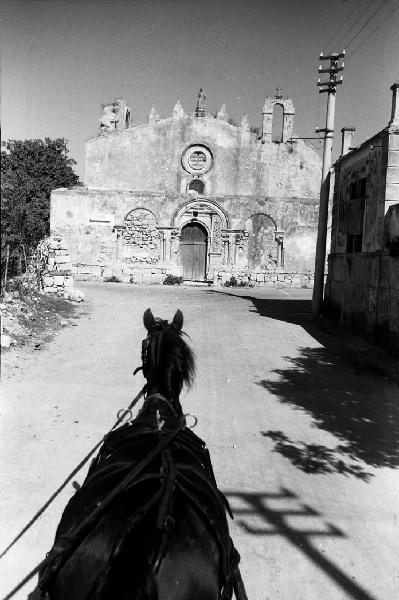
{"x":28,"y":317}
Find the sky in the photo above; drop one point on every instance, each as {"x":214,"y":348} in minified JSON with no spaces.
{"x":62,"y":59}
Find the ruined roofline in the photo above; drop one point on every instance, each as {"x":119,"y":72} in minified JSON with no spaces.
{"x":186,"y":116}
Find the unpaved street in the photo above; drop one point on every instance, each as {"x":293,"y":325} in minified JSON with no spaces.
{"x":305,"y":445}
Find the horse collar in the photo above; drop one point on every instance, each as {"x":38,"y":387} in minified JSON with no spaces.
{"x":167,"y":401}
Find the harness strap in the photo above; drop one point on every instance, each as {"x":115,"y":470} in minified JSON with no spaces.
{"x":71,"y":476}
{"x":66,"y":544}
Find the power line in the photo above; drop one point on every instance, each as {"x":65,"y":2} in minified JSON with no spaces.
{"x":346,"y":33}
{"x":373,"y":32}
{"x":345,"y":21}
{"x":365,"y":24}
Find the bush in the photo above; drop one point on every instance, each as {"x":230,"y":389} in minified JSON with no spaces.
{"x":233,"y":282}
{"x":112,"y":279}
{"x":172,"y":280}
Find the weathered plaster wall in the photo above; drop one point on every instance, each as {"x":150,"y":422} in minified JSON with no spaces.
{"x":377,"y":160}
{"x":148,"y":158}
{"x":89,"y":221}
{"x":363,"y":293}
{"x":362,"y":289}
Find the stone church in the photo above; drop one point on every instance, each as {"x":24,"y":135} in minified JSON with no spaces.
{"x":194,"y":194}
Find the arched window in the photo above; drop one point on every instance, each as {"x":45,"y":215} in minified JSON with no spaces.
{"x":197,"y":185}
{"x":278,"y":123}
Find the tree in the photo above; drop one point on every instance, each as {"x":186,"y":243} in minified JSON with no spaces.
{"x":30,"y":169}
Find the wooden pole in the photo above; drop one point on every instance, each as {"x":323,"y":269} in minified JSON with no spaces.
{"x":6,"y":269}
{"x":320,"y":259}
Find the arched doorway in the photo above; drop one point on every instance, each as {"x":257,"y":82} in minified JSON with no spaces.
{"x":193,"y":244}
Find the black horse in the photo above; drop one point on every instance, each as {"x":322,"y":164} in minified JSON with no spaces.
{"x":149,"y":522}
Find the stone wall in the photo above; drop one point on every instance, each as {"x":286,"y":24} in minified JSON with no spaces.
{"x":277,"y":278}
{"x":362,"y":293}
{"x":95,"y":223}
{"x":53,"y":263}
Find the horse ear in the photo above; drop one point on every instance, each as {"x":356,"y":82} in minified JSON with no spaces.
{"x":148,"y":319}
{"x":178,"y":320}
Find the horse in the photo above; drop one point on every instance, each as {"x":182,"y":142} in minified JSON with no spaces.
{"x":149,"y":522}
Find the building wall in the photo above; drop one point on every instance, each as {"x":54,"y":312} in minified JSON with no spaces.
{"x":362,"y":293}
{"x":93,"y":224}
{"x":254,"y":194}
{"x":149,"y":158}
{"x":362,"y":289}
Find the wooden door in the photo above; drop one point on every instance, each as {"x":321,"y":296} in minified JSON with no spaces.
{"x":193,"y":251}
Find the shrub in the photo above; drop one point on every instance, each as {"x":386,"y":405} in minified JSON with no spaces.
{"x":112,"y":279}
{"x":172,"y":280}
{"x":232,"y":282}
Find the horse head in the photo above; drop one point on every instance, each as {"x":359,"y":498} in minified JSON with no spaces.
{"x":167,"y":360}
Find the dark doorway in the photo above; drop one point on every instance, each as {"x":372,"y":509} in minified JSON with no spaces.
{"x":193,"y":242}
{"x":197,"y":185}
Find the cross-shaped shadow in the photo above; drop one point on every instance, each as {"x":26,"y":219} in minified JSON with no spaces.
{"x":250,"y":506}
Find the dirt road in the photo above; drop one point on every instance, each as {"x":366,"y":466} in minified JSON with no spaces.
{"x":305,"y":445}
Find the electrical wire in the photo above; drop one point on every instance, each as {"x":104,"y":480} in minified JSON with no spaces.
{"x":347,"y":32}
{"x":365,"y":24}
{"x":345,"y":21}
{"x":350,"y":54}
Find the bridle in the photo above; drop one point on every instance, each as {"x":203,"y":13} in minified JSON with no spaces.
{"x":160,"y":325}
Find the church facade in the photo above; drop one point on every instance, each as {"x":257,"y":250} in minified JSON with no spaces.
{"x":195,"y":194}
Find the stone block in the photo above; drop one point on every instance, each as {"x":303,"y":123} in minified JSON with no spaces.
{"x":5,"y":340}
{"x":392,"y":174}
{"x":59,"y":280}
{"x":146,"y":277}
{"x":393,"y":158}
{"x":68,"y":282}
{"x":60,"y":260}
{"x":394,"y":141}
{"x":76,"y":296}
{"x":84,"y":270}
{"x":392,"y":192}
{"x":296,"y":281}
{"x":96,"y":271}
{"x":48,"y":280}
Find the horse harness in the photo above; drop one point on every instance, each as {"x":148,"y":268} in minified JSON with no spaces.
{"x":194,"y":479}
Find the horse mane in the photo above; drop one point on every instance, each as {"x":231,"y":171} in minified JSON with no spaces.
{"x":170,"y":362}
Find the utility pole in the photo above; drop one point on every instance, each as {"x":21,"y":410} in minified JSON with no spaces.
{"x":330,"y":87}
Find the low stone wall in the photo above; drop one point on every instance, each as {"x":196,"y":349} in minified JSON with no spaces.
{"x":277,"y":278}
{"x":152,"y":274}
{"x":53,"y":263}
{"x":125,"y":272}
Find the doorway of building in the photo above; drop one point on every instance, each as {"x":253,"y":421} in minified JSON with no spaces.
{"x":193,"y":244}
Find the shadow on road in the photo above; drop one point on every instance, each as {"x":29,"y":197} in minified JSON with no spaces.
{"x":254,"y":515}
{"x":365,"y":421}
{"x":367,"y":425}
